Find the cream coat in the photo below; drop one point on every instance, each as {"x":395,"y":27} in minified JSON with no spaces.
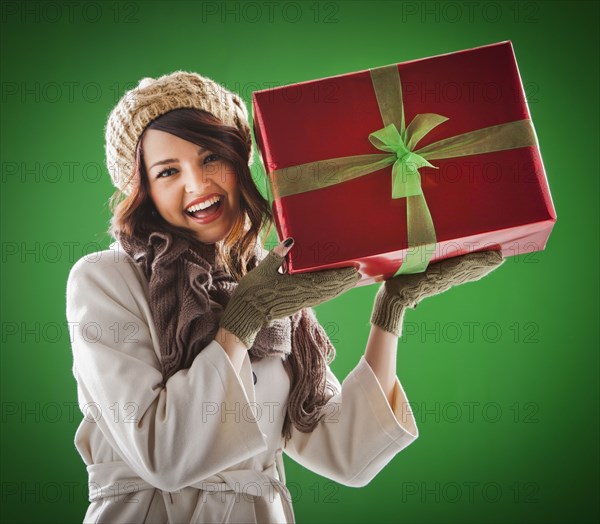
{"x":207,"y":447}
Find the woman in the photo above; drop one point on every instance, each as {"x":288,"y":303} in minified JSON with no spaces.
{"x":198,"y":361}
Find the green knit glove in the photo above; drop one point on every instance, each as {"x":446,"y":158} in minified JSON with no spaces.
{"x":406,"y":291}
{"x":264,"y":294}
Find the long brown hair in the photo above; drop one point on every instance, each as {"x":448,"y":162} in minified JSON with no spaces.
{"x":132,"y":215}
{"x":135,"y":214}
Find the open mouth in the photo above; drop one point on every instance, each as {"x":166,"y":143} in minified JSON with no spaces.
{"x":207,"y":212}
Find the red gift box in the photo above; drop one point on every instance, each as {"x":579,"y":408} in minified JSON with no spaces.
{"x":495,"y":199}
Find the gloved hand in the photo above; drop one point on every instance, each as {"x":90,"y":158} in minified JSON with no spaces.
{"x":406,"y":291}
{"x":264,"y":294}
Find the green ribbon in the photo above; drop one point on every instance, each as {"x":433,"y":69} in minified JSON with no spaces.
{"x":399,"y":142}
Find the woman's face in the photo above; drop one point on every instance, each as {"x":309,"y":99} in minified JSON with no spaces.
{"x":180,"y":174}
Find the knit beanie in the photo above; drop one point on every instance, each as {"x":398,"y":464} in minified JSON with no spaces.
{"x":155,"y":97}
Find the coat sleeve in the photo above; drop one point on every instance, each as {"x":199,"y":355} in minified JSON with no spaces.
{"x":360,"y":432}
{"x":200,"y":423}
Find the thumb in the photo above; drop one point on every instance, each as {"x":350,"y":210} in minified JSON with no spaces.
{"x":284,"y":247}
{"x":275,"y":258}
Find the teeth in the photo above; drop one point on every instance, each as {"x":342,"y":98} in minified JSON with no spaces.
{"x":203,"y":205}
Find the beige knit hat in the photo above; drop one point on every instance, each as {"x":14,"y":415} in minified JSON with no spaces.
{"x":155,"y":97}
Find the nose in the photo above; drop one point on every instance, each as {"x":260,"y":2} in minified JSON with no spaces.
{"x":197,"y":180}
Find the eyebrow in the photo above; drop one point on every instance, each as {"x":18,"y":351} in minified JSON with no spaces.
{"x":171,"y":160}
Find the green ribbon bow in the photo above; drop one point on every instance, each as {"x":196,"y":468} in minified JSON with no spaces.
{"x":405,"y":170}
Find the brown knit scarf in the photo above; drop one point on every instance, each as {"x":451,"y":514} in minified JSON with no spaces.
{"x":189,"y":289}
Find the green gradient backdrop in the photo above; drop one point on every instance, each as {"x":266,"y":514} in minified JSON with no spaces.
{"x":508,"y":411}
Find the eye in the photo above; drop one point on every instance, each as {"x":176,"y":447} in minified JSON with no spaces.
{"x":213,"y":156}
{"x":168,"y":170}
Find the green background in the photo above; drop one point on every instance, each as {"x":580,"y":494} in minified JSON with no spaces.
{"x":507,"y":411}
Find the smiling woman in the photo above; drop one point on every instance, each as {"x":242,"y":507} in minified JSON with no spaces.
{"x":228,"y":367}
{"x":182,"y":158}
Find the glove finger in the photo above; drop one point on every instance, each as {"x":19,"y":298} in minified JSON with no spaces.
{"x":331,"y":283}
{"x":342,"y":279}
{"x":341,"y":275}
{"x":489,"y":258}
{"x":349,"y":277}
{"x":470,"y":267}
{"x":316,"y":287}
